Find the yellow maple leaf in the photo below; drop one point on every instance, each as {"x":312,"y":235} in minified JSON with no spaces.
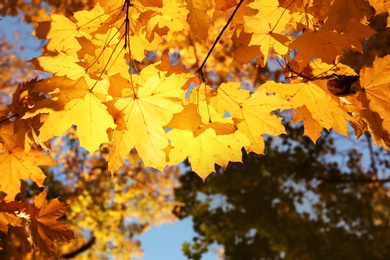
{"x":144,"y":113}
{"x":277,"y":17}
{"x":265,"y":37}
{"x":63,"y":32}
{"x":323,"y":107}
{"x":60,"y":65}
{"x":18,"y":165}
{"x":252,"y":113}
{"x":204,"y":144}
{"x":73,"y":103}
{"x":172,"y":15}
{"x":88,"y":114}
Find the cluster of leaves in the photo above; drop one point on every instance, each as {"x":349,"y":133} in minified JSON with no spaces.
{"x":133,"y":199}
{"x":39,"y":221}
{"x":112,"y":78}
{"x":291,"y":203}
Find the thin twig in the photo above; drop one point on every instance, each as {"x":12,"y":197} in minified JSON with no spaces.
{"x":373,"y":170}
{"x":200,"y":69}
{"x":8,"y":118}
{"x":80,"y":250}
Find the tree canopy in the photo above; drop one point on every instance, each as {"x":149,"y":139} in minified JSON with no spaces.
{"x":165,"y":81}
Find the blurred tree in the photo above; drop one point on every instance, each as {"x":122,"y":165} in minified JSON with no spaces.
{"x":295,"y":202}
{"x":36,"y":10}
{"x":106,"y":212}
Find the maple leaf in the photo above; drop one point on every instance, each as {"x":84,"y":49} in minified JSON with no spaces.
{"x":373,"y":98}
{"x":73,"y":104}
{"x":144,"y":113}
{"x":171,"y":15}
{"x":264,"y":36}
{"x":312,"y":128}
{"x":63,"y":33}
{"x":340,"y":13}
{"x":323,"y":108}
{"x":18,"y":165}
{"x":60,"y":65}
{"x":7,"y":214}
{"x":88,"y":114}
{"x":198,"y":18}
{"x":43,"y":227}
{"x":276,"y":16}
{"x":252,"y":113}
{"x":321,"y":44}
{"x":204,"y":144}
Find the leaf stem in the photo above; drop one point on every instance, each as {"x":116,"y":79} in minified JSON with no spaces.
{"x":8,"y":118}
{"x":200,"y":69}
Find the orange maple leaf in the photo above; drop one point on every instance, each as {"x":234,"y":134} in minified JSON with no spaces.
{"x":374,"y":115}
{"x":41,"y":224}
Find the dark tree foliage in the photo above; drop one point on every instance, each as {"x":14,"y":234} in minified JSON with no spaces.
{"x":292,"y":203}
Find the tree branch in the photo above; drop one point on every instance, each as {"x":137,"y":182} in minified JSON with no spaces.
{"x":83,"y":248}
{"x":200,"y":69}
{"x":354,"y":180}
{"x":374,"y":170}
{"x":8,"y":118}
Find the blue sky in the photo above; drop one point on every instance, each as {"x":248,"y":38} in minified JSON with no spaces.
{"x":164,"y":242}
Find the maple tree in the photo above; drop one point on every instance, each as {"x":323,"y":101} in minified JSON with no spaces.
{"x":158,"y":76}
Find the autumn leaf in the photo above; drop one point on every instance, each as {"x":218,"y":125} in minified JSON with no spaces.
{"x":171,"y":16}
{"x":60,"y":65}
{"x":321,"y":44}
{"x":312,"y":128}
{"x":374,"y":101}
{"x":204,"y":144}
{"x":18,"y":165}
{"x":198,"y":18}
{"x":341,"y":12}
{"x":323,"y":108}
{"x":45,"y":228}
{"x":267,"y":27}
{"x":252,"y":113}
{"x":275,"y":15}
{"x":8,"y":211}
{"x":263,"y":35}
{"x":73,"y":103}
{"x":39,"y":221}
{"x":63,"y":33}
{"x":144,"y":113}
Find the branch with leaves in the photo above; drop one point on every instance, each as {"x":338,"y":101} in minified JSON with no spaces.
{"x":125,"y":73}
